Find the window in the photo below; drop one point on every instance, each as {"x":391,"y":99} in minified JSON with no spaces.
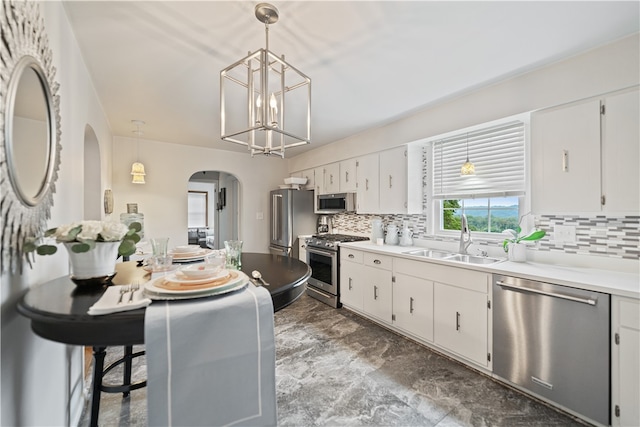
{"x":197,"y":209}
{"x":493,"y":198}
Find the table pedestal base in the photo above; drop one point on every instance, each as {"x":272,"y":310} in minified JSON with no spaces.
{"x":99,"y":372}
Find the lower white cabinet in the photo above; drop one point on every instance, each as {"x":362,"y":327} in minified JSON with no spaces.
{"x":377,"y":291}
{"x":460,"y":322}
{"x":625,"y":361}
{"x":413,"y":305}
{"x":351,"y":281}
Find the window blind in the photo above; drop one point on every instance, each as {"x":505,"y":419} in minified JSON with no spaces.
{"x":197,"y":209}
{"x":498,"y":155}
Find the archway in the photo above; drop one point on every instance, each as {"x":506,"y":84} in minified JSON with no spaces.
{"x":213,"y":208}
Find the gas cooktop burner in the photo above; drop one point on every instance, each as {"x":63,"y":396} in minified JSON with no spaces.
{"x":339,"y":238}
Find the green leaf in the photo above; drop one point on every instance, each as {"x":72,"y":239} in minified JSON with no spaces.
{"x":29,"y":247}
{"x":135,"y":226}
{"x":50,"y":232}
{"x":80,"y":247}
{"x":505,"y":245}
{"x":534,"y":235}
{"x":46,"y":250}
{"x":127,"y":247}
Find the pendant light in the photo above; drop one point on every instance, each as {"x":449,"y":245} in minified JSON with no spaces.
{"x":137,"y":169}
{"x":467,"y":168}
{"x":265,"y":102}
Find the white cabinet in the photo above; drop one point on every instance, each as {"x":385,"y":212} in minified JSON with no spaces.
{"x":319,"y":180}
{"x":391,"y":181}
{"x":368,"y":195}
{"x":331,"y":178}
{"x":351,"y":279}
{"x":460,"y":322}
{"x":413,"y":305}
{"x":377,"y":291}
{"x":625,"y":361}
{"x":310,"y":175}
{"x":401,"y":180}
{"x":584,"y":156}
{"x":348,"y":176}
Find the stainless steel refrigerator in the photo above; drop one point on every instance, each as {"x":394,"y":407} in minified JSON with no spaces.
{"x":291,"y":216}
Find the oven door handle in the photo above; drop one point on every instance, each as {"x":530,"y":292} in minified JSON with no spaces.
{"x":321,"y":252}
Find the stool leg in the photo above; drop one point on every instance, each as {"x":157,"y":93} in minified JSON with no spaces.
{"x":98,"y":366}
{"x":128,"y":351}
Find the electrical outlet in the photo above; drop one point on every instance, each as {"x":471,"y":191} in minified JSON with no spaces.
{"x":259,"y":215}
{"x":564,"y":233}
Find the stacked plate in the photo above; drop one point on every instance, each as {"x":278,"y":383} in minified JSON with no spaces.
{"x":189,"y":253}
{"x":179,"y":285}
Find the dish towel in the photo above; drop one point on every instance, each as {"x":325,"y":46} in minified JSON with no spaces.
{"x":211,"y":361}
{"x":108,"y":302}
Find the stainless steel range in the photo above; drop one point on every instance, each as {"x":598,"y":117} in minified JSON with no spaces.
{"x":324,"y":259}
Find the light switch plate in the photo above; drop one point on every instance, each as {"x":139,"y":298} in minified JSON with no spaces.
{"x":259,"y":215}
{"x":564,"y":233}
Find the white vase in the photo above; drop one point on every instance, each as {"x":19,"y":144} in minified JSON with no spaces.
{"x":517,"y":252}
{"x":95,"y":263}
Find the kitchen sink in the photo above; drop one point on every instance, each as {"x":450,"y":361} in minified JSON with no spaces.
{"x":429,"y":253}
{"x":471,"y":259}
{"x":448,"y":256}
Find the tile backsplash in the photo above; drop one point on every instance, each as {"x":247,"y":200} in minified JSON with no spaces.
{"x":598,"y":235}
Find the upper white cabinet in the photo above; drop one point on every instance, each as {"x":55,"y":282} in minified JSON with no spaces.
{"x":391,"y":181}
{"x":331,"y":178}
{"x":584,"y":156}
{"x":348,"y":176}
{"x":310,"y":175}
{"x":625,"y":369}
{"x":319,"y":173}
{"x":368,"y":195}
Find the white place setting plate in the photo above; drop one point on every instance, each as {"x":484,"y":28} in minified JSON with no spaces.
{"x":154,"y":292}
{"x":178,"y":277}
{"x":190,"y":256}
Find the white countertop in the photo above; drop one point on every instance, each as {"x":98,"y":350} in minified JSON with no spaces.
{"x":598,"y":280}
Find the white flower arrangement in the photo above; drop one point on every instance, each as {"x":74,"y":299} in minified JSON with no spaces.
{"x":85,"y":235}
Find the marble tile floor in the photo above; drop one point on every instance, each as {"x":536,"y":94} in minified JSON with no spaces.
{"x":334,"y":368}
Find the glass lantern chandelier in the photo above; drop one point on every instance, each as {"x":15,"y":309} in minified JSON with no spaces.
{"x":468,"y":168}
{"x":265,"y":102}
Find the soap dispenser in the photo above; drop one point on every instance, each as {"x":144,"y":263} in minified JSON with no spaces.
{"x":406,"y":234}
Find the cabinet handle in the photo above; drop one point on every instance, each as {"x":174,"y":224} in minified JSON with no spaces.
{"x":375,"y":292}
{"x":331,"y":179}
{"x":457,"y":321}
{"x":410,"y":304}
{"x":349,"y":283}
{"x":346,"y":176}
{"x":565,"y":160}
{"x":366,"y":184}
{"x":377,"y":261}
{"x":390,"y":181}
{"x":351,"y":256}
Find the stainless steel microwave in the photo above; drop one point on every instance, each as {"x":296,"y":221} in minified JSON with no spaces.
{"x":336,"y":203}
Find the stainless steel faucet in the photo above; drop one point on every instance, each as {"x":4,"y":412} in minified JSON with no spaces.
{"x":464,"y":231}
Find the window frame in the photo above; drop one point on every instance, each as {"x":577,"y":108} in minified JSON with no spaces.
{"x":191,"y":193}
{"x":434,"y":205}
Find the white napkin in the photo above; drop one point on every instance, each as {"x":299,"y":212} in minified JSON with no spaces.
{"x":108,"y":302}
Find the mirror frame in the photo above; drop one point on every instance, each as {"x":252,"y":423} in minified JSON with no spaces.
{"x":24,"y":46}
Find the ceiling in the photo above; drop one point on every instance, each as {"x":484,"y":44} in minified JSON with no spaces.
{"x":370,"y":62}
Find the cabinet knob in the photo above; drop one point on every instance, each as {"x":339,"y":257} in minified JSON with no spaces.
{"x":377,"y":261}
{"x":351,"y":256}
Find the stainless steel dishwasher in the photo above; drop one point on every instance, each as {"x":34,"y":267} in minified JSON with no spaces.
{"x":553,"y":341}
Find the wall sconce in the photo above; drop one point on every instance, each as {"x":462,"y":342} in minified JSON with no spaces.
{"x":137,"y":169}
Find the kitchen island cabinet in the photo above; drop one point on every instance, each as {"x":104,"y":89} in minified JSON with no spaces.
{"x":625,"y":362}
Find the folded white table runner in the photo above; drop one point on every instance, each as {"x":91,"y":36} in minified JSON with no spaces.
{"x":211,"y":361}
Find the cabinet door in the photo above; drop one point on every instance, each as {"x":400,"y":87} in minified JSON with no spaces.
{"x":565,"y":148}
{"x":625,"y":369}
{"x":461,"y":322}
{"x":393,"y":180}
{"x":367,"y":178}
{"x":310,"y":175}
{"x":319,"y":180}
{"x":332,"y":178}
{"x":413,"y":305}
{"x":348,"y":176}
{"x":377,"y":293}
{"x":351,"y":284}
{"x":620,"y":153}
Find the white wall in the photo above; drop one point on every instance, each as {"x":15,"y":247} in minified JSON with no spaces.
{"x":605,"y":69}
{"x":163,"y":199}
{"x":37,"y":375}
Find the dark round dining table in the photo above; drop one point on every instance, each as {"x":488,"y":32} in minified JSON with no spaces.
{"x":58,"y":312}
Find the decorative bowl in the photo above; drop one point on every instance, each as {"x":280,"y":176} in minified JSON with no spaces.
{"x":200,"y":271}
{"x":186,"y":249}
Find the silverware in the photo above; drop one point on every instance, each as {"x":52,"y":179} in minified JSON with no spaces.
{"x":256,"y":275}
{"x":123,"y":290}
{"x":134,"y":288}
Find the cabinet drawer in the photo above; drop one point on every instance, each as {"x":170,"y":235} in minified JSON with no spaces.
{"x":460,"y":277}
{"x":378,"y":261}
{"x":351,"y":255}
{"x":630,"y":314}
